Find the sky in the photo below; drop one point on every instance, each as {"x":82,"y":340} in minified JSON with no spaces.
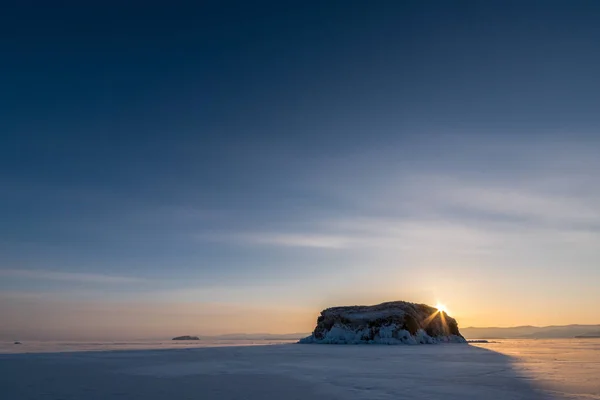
{"x":223,"y":167}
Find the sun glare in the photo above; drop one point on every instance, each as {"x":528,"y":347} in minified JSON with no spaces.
{"x":441,"y":307}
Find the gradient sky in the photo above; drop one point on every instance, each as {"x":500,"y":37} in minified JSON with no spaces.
{"x":238,"y":166}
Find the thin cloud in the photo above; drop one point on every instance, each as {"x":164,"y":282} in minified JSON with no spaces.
{"x":299,"y":240}
{"x":68,"y":276}
{"x":520,"y":202}
{"x":365,"y":233}
{"x":284,"y":239}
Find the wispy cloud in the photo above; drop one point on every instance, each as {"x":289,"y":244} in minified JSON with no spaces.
{"x":355,"y":233}
{"x":68,"y":276}
{"x":517,"y":202}
{"x":297,"y":240}
{"x":284,"y":239}
{"x":452,"y":214}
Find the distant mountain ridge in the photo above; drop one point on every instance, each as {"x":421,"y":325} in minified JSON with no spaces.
{"x":531,"y":332}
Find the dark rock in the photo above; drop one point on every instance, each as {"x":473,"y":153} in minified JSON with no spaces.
{"x":186,"y":338}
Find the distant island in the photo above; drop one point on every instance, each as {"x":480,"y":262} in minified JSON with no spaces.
{"x":186,"y":338}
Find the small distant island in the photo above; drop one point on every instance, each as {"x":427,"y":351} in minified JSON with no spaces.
{"x":186,"y":338}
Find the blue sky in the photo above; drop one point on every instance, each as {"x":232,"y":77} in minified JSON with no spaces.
{"x":275,"y":159}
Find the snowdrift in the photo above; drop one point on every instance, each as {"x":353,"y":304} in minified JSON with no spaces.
{"x":397,"y":322}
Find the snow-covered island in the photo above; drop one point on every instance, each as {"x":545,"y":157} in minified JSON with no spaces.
{"x":397,"y":322}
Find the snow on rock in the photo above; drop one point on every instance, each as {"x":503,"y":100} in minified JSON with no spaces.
{"x":397,"y":322}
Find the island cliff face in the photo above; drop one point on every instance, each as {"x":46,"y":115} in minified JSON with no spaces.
{"x":397,"y":322}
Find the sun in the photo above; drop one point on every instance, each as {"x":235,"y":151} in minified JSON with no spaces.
{"x":441,"y":307}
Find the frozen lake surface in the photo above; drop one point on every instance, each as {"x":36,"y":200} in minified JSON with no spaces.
{"x":526,"y":369}
{"x":144,"y":344}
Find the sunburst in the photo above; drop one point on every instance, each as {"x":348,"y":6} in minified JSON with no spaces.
{"x":441,"y":307}
{"x":441,"y":311}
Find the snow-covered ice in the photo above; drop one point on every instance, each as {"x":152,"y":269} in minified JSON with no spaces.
{"x":386,"y":334}
{"x":512,"y":370}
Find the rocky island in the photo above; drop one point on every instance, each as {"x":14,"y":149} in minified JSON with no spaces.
{"x":397,"y":322}
{"x":186,"y":338}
